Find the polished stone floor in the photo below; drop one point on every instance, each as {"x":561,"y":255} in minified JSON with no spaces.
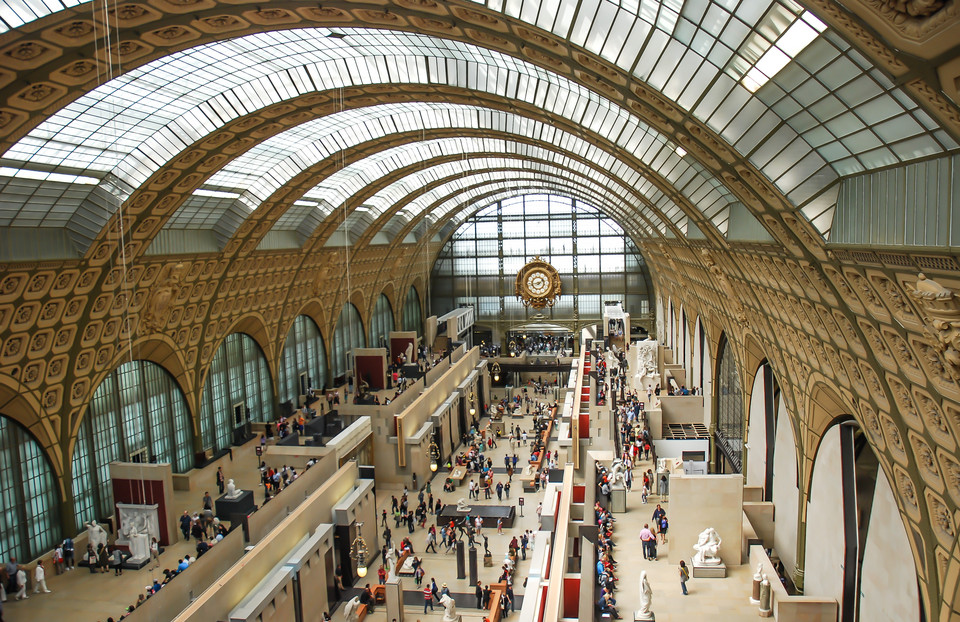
{"x":80,"y":596}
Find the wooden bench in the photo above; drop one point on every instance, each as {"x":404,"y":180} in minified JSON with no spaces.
{"x":379,"y":593}
{"x":361,"y":612}
{"x":496,"y":590}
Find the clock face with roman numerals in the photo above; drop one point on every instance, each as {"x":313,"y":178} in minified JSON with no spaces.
{"x":538,"y":284}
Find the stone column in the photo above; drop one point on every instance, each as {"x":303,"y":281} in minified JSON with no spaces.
{"x":395,"y":599}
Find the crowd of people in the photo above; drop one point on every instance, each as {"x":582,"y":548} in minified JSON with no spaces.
{"x":606,"y":564}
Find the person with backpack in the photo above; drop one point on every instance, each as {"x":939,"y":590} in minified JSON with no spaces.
{"x":684,"y":576}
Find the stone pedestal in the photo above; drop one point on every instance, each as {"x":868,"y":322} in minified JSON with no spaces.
{"x":643,"y":617}
{"x":488,"y":561}
{"x":138,"y":524}
{"x":394,"y":593}
{"x":711,"y":571}
{"x":755,"y":595}
{"x":474,"y":571}
{"x":234,"y":510}
{"x":461,"y":561}
{"x":618,"y":500}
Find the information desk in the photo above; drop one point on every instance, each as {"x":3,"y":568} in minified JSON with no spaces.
{"x":487,"y":513}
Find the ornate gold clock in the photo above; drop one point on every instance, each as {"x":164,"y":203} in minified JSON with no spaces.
{"x":538,"y":284}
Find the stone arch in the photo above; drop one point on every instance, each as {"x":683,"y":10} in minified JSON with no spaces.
{"x":159,"y":349}
{"x":20,"y":405}
{"x":312,"y":309}
{"x":728,"y":417}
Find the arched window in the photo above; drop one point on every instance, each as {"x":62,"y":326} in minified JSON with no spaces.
{"x":346,"y":336}
{"x":29,"y":504}
{"x":412,"y":318}
{"x":381,"y":323}
{"x":597,"y":261}
{"x":729,"y":412}
{"x":303,"y":353}
{"x":137,"y":413}
{"x":239,"y":379}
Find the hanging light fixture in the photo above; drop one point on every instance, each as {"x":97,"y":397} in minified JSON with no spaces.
{"x":473,"y":406}
{"x":495,"y":370}
{"x":358,"y":551}
{"x":434,"y":453}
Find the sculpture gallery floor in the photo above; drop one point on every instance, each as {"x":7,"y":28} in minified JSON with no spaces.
{"x":84,"y":597}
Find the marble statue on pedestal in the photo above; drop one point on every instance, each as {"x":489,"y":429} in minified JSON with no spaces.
{"x":617,"y":473}
{"x":232,"y":491}
{"x":391,"y":565}
{"x":138,"y":524}
{"x":449,"y":609}
{"x":136,"y":532}
{"x":647,"y":375}
{"x":350,"y":609}
{"x":462,"y":505}
{"x":645,"y":612}
{"x":96,"y":535}
{"x":708,"y":548}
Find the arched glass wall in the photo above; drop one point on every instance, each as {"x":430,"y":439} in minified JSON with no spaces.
{"x":138,"y":413}
{"x":595,"y":259}
{"x":412,"y":317}
{"x":381,"y":323}
{"x":239,"y":378}
{"x":303,"y":353}
{"x":29,"y":505}
{"x":729,"y":412}
{"x":346,"y":336}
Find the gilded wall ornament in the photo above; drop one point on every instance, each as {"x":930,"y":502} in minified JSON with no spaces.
{"x":941,"y":311}
{"x":165,"y":292}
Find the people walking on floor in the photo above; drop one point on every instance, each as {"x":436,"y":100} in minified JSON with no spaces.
{"x":427,"y":598}
{"x":684,"y":576}
{"x":40,"y":579}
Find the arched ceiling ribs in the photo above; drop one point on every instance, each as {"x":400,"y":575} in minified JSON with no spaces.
{"x":446,"y":206}
{"x":198,"y":112}
{"x":282,"y":161}
{"x":463,"y":211}
{"x":345,"y":185}
{"x":249,"y":235}
{"x":452,"y":190}
{"x":576,"y":167}
{"x":675,"y":102}
{"x":140,"y":204}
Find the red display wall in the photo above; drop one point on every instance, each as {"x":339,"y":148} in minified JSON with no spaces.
{"x":143,"y":492}
{"x":398,"y":345}
{"x":370,"y":368}
{"x":571,"y":597}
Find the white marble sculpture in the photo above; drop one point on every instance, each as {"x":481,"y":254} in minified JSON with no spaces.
{"x":409,"y":352}
{"x":462,"y":505}
{"x":708,"y":548}
{"x":96,"y":535}
{"x":618,"y":475}
{"x":391,"y":565}
{"x":350,"y":609}
{"x":646,"y":376}
{"x":449,"y":609}
{"x":138,"y":524}
{"x":645,"y":612}
{"x":232,"y":491}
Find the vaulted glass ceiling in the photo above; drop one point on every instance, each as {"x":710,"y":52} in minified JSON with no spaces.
{"x":786,"y":91}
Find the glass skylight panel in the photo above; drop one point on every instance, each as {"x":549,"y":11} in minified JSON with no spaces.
{"x":134,"y":124}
